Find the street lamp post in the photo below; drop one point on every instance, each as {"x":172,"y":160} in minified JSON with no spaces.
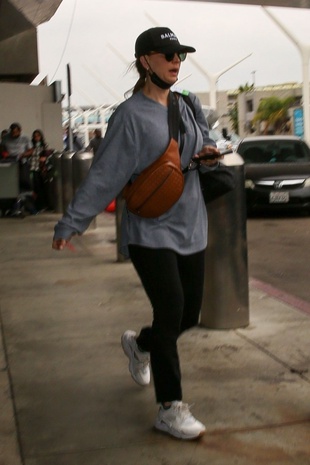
{"x":253,"y":78}
{"x":213,"y":78}
{"x":304,"y":51}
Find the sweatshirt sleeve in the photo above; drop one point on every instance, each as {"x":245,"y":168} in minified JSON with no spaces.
{"x":112,"y":167}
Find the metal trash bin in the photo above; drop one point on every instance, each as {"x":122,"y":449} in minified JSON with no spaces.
{"x":81,"y":163}
{"x":226,"y":289}
{"x":66,"y":179}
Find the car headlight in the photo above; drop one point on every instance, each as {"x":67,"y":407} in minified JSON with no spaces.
{"x":307,"y":182}
{"x":249,"y":184}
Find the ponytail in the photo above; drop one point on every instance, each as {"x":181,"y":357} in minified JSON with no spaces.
{"x":142,"y":76}
{"x":142,"y":73}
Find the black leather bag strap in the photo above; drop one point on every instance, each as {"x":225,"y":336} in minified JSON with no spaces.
{"x":174,"y":118}
{"x":176,"y":123}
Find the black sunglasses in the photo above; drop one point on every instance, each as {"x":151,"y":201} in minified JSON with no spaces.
{"x":169,"y":56}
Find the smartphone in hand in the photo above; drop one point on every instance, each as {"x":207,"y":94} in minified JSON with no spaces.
{"x":211,"y":156}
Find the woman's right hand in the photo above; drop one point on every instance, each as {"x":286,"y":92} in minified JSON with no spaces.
{"x":59,"y":244}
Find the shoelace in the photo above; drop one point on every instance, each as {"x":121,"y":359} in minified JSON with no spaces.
{"x":142,"y":363}
{"x":184,"y":410}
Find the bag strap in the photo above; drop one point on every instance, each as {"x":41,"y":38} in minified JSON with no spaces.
{"x":175,"y":121}
{"x":188,"y":102}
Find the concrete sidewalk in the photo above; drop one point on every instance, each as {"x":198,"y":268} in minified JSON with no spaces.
{"x":66,"y":396}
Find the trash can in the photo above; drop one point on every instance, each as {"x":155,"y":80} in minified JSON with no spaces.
{"x":66,"y":179}
{"x":55,"y":182}
{"x":226,"y":289}
{"x":81,"y":163}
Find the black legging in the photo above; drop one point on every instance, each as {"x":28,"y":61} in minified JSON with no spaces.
{"x":174,"y":285}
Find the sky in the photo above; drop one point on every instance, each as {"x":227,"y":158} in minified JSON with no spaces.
{"x":96,"y":38}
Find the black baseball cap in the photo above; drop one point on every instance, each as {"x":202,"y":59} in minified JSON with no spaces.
{"x":159,"y":39}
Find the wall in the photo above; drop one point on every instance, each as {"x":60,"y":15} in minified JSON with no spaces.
{"x":280,"y":91}
{"x":225,"y":99}
{"x":34,"y":108}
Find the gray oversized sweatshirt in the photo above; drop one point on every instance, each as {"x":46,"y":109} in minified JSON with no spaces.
{"x":137,"y":135}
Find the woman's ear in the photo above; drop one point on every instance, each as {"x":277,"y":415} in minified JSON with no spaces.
{"x":144,"y":63}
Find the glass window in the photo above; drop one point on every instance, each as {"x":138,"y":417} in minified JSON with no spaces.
{"x":278,"y":151}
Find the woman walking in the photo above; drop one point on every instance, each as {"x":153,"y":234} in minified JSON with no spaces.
{"x":168,"y":251}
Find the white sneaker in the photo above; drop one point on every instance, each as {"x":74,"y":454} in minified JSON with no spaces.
{"x":139,"y":362}
{"x":179,"y":422}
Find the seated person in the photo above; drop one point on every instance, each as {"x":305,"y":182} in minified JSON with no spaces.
{"x":19,"y":149}
{"x":17,"y":145}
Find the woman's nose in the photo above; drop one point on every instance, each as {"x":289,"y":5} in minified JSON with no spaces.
{"x":176,"y":58}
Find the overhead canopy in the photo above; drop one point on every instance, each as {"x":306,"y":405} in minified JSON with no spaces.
{"x":282,"y":3}
{"x":20,"y":18}
{"x":18,"y":36}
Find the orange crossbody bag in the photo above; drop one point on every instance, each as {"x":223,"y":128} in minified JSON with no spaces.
{"x":161,"y":184}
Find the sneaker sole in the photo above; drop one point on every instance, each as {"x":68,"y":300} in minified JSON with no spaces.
{"x":128,"y":353}
{"x":163,"y":428}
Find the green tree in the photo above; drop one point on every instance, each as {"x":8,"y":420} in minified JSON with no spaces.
{"x":234,"y":117}
{"x":245,"y":88}
{"x":274,"y":112}
{"x":233,"y":112}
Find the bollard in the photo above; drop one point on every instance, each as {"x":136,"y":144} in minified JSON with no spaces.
{"x":226,"y":290}
{"x":81,"y":163}
{"x":55,"y":187}
{"x":66,"y":179}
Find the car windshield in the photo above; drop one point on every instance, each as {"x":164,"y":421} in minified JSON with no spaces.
{"x":278,"y":151}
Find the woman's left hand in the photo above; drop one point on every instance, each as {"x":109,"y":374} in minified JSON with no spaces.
{"x":208,"y":151}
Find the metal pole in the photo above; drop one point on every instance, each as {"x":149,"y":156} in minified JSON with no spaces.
{"x":213,"y":78}
{"x":305,"y":91}
{"x":69,"y":109}
{"x":304,"y":51}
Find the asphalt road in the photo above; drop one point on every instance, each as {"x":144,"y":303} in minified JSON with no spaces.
{"x":279,"y":252}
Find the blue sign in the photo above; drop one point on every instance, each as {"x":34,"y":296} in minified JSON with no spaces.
{"x":298,"y":117}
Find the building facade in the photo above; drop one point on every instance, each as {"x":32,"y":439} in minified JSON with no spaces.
{"x":248,"y":102}
{"x":34,"y":107}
